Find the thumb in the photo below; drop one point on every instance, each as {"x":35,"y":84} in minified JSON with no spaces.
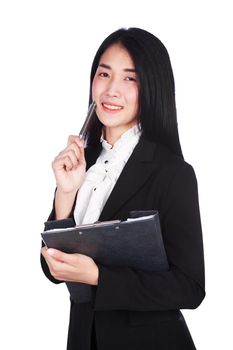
{"x":56,"y":254}
{"x":60,"y":256}
{"x":80,"y":143}
{"x":71,"y":139}
{"x":81,"y":152}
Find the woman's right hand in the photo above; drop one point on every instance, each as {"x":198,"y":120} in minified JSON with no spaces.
{"x":69,"y":166}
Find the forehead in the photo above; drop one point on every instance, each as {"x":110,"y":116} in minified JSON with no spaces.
{"x":117,"y":55}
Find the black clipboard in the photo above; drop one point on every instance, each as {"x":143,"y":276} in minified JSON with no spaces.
{"x":136,"y":242}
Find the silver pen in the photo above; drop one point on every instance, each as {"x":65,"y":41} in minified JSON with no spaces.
{"x":90,"y":112}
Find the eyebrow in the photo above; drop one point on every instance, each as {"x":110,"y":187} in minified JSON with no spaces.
{"x":103,"y":65}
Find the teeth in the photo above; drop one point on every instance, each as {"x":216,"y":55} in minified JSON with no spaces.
{"x":112,"y":107}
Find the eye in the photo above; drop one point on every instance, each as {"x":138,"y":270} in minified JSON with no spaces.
{"x":103,"y":74}
{"x":130,"y":79}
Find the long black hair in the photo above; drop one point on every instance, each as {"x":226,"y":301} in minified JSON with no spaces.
{"x":157,"y":107}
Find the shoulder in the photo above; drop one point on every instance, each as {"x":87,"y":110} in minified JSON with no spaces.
{"x":177,"y":178}
{"x":178,"y":174}
{"x":172,"y":163}
{"x":169,"y":170}
{"x":163,"y":159}
{"x":175,"y":183}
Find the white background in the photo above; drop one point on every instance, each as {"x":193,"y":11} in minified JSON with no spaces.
{"x":47,"y":49}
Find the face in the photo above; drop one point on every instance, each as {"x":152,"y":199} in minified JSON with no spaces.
{"x":115,"y":91}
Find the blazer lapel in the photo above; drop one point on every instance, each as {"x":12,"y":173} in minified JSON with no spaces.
{"x":135,"y":173}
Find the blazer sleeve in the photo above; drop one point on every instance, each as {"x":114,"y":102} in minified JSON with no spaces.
{"x":91,"y":156}
{"x":182,"y":287}
{"x":51,"y":223}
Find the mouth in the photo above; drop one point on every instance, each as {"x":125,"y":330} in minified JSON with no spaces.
{"x":111,"y":107}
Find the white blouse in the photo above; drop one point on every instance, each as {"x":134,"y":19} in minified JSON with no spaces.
{"x":102,"y":176}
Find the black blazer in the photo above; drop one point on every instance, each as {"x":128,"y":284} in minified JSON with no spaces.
{"x":134,"y":309}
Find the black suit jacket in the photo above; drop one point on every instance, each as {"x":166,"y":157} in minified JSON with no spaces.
{"x":134,"y":309}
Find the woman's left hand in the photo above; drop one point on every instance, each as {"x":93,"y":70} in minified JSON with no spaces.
{"x":71,"y":267}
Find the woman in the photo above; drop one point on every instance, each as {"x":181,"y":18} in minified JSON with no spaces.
{"x":133,"y":161}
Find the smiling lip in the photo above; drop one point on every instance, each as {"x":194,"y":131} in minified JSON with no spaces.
{"x":111,"y":107}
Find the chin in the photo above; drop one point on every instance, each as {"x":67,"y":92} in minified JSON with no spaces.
{"x":110,"y":122}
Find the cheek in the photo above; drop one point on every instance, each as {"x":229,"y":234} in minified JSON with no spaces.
{"x":133,"y":97}
{"x":95,"y":88}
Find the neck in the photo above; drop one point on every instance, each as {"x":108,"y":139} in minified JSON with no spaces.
{"x":111,"y":135}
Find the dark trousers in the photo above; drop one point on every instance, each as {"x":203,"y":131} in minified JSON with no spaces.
{"x":93,"y":338}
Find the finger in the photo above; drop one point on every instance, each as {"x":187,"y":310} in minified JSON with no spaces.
{"x":69,"y":259}
{"x":44,"y":252}
{"x":43,"y":249}
{"x":70,"y":153}
{"x":72,"y":147}
{"x":62,"y":163}
{"x":79,"y":149}
{"x":57,"y":254}
{"x":56,"y":267}
{"x":71,"y":139}
{"x":49,"y":260}
{"x":81,"y":157}
{"x":76,"y":139}
{"x":52,"y":256}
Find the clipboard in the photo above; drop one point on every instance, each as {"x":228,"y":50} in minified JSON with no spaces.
{"x":136,"y":242}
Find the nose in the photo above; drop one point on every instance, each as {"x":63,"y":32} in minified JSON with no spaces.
{"x":113,"y":88}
